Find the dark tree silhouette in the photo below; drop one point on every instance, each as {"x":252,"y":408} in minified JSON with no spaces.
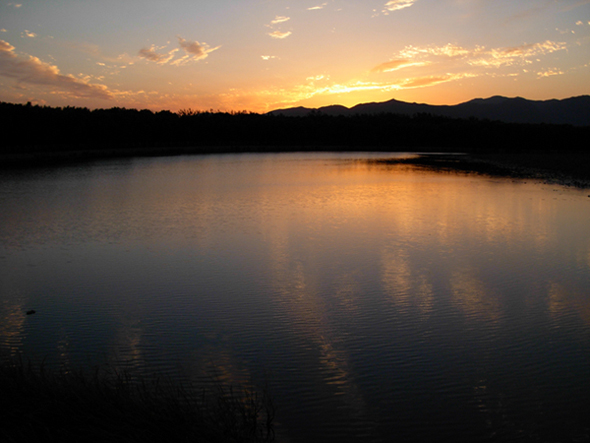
{"x":32,"y":129}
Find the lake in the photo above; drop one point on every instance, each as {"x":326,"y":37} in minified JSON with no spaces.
{"x":379,"y":303}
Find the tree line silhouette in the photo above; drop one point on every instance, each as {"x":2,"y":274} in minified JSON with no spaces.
{"x":31,"y":129}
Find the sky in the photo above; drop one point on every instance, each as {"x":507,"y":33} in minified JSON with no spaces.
{"x":260,"y":55}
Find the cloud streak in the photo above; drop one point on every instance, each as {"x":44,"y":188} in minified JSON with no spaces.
{"x":515,"y":55}
{"x":279,"y":34}
{"x":151,"y":55}
{"x":423,"y":82}
{"x":396,"y":5}
{"x":30,"y":70}
{"x":479,"y":56}
{"x":396,"y":64}
{"x":193,"y":50}
{"x":279,"y":19}
{"x":549,"y":73}
{"x":321,"y":85}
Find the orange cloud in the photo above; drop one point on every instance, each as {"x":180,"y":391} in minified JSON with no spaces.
{"x":33,"y":71}
{"x":394,"y":65}
{"x":280,"y":19}
{"x":153,"y":56}
{"x":516,"y":54}
{"x":421,"y":82}
{"x":396,"y":5}
{"x":477,"y":56}
{"x":279,"y":34}
{"x":549,"y":73}
{"x":449,"y":50}
{"x":194,"y":51}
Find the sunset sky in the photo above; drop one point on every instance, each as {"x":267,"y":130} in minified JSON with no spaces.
{"x":260,"y":55}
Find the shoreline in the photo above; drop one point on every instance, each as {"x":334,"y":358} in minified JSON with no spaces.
{"x":46,"y":156}
{"x":569,"y":168}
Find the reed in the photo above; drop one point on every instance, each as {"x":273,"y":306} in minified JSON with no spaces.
{"x":106,"y":405}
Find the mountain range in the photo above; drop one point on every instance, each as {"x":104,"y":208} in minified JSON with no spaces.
{"x":573,"y":111}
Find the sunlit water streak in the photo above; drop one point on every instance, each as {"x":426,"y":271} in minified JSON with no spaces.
{"x":379,"y":302}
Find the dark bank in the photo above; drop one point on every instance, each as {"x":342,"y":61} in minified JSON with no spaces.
{"x":41,"y":135}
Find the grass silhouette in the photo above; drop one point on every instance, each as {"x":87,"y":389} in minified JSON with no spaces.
{"x":105,"y":405}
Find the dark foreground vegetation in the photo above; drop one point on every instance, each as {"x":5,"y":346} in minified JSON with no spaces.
{"x":41,"y":129}
{"x":40,"y":134}
{"x":38,"y":405}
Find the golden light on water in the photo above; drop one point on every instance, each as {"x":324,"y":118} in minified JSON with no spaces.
{"x":354,"y":286}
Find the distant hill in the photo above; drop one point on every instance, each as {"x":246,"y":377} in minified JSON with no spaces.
{"x":574,"y":110}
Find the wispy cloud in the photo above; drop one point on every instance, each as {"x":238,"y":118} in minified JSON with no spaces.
{"x":153,"y":56}
{"x":321,"y":85}
{"x":396,"y":5}
{"x":549,"y":73}
{"x":265,"y":99}
{"x":279,"y":34}
{"x":30,"y":70}
{"x":322,"y":6}
{"x":448,"y":50}
{"x":29,"y":34}
{"x":412,"y":56}
{"x":15,"y":5}
{"x":422,"y":82}
{"x":394,"y":65}
{"x":406,"y":83}
{"x":464,"y":62}
{"x":515,"y":55}
{"x":280,"y":19}
{"x":273,"y":98}
{"x":193,"y":50}
{"x":315,"y":78}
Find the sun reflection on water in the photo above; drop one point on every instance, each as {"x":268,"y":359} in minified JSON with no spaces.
{"x":361,"y":288}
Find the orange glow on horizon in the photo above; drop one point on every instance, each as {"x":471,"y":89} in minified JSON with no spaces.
{"x":287,"y":54}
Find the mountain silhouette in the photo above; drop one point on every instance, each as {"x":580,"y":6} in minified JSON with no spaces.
{"x":573,"y":111}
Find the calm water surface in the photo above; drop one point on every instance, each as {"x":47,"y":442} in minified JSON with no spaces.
{"x":380,"y":303}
